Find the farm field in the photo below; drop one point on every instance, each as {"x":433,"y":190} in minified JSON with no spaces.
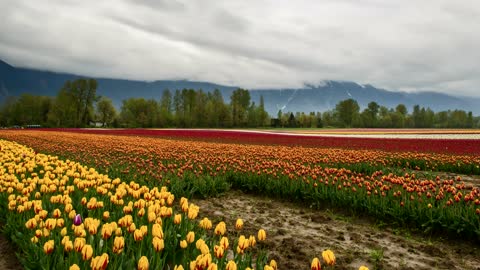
{"x":381,"y":202}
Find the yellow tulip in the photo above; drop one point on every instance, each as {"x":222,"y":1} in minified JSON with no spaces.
{"x":204,"y":249}
{"x":144,"y":230}
{"x":68,"y":208}
{"x":231,"y":265}
{"x":143,"y":263}
{"x":251,"y":241}
{"x":193,"y":211}
{"x":106,"y":231}
{"x":65,"y":239}
{"x":31,"y":223}
{"x":138,"y":235}
{"x":87,"y":252}
{"x":239,"y":224}
{"x":60,"y":222}
{"x":68,"y":246}
{"x":224,"y":243}
{"x":106,"y":215}
{"x":212,"y":266}
{"x":151,"y":216}
{"x":46,"y":232}
{"x":99,"y":262}
{"x":157,"y":230}
{"x":328,"y":257}
{"x":158,"y":244}
{"x":170,"y":199}
{"x":273,"y":264}
{"x":141,"y":212}
{"x":206,"y":224}
{"x":74,"y":267}
{"x":218,"y":251}
{"x":177,"y":219}
{"x":132,"y":228}
{"x":118,"y":244}
{"x":220,"y":228}
{"x":72,"y":214}
{"x":190,"y":237}
{"x":242,"y":242}
{"x":363,"y":268}
{"x":183,"y":244}
{"x":262,"y":235}
{"x":178,"y":267}
{"x":203,"y":261}
{"x":316,"y":264}
{"x":48,"y":246}
{"x":267,"y":267}
{"x":184,"y":204}
{"x":91,"y":225}
{"x":50,"y":224}
{"x":57,"y":213}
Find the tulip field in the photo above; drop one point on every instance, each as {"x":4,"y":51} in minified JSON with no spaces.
{"x":127,"y":199}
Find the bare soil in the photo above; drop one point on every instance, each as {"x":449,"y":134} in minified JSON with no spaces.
{"x":8,"y":259}
{"x":295,"y":235}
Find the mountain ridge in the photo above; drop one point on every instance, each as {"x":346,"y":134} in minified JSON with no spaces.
{"x":320,"y":97}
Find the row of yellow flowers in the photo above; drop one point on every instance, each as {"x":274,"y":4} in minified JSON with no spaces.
{"x":64,"y":215}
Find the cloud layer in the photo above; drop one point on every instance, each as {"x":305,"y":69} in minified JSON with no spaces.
{"x":398,"y":45}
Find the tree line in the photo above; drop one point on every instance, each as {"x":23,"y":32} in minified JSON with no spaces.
{"x":78,"y":105}
{"x":347,"y":113}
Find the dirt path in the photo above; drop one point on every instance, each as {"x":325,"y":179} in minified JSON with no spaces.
{"x":295,"y":235}
{"x":8,"y":259}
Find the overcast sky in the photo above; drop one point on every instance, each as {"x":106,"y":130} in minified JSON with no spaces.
{"x":394,"y":44}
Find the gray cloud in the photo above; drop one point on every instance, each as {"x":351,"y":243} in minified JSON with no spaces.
{"x":398,"y":45}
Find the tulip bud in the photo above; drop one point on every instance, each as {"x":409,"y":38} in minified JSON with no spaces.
{"x":99,"y":262}
{"x":48,"y":246}
{"x":239,"y":224}
{"x":262,"y":235}
{"x":316,"y":264}
{"x":77,"y":220}
{"x":87,"y":252}
{"x":183,"y":244}
{"x":178,"y":219}
{"x":231,"y":265}
{"x":273,"y":264}
{"x":190,"y":237}
{"x":158,"y":244}
{"x":328,"y":257}
{"x":143,"y":263}
{"x":74,"y":267}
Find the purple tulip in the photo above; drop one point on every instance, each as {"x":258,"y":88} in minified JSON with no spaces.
{"x":77,"y":220}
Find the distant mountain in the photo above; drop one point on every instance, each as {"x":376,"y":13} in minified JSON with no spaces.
{"x":321,"y":97}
